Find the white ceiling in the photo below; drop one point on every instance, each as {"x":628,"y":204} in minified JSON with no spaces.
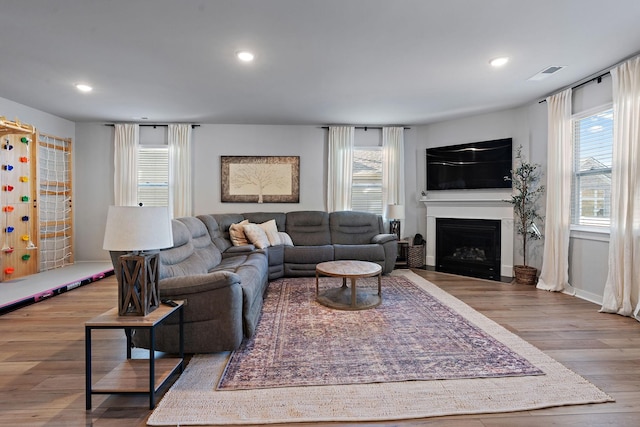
{"x":317,"y":61}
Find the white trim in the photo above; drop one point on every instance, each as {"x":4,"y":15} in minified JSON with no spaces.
{"x":592,"y":111}
{"x":583,"y":232}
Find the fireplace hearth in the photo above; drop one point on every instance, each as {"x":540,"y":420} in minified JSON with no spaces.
{"x":470,"y":247}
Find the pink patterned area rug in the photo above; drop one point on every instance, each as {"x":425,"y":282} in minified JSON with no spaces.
{"x":410,"y":336}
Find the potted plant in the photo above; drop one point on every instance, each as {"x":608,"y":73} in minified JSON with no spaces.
{"x":526,"y":194}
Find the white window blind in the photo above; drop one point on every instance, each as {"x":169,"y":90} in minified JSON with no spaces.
{"x":366,"y":190}
{"x":593,"y":155}
{"x":153,"y":175}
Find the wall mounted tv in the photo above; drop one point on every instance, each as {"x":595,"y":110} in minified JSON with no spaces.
{"x":470,"y":166}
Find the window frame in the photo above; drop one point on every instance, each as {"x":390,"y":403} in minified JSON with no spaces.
{"x":590,"y":231}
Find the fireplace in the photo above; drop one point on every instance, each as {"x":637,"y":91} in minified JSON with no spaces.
{"x":472,"y":205}
{"x":469,"y":247}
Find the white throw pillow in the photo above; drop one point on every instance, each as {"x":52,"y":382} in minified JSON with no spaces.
{"x":236,"y":233}
{"x":256,"y":235}
{"x":271,"y":230}
{"x":285,"y":239}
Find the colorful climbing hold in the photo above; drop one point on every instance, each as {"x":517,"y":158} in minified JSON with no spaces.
{"x":25,"y":218}
{"x":9,"y":229}
{"x":8,"y":146}
{"x":7,"y":167}
{"x":25,"y":237}
{"x":24,"y":159}
{"x":8,"y":208}
{"x":24,"y":179}
{"x":26,"y":257}
{"x":9,"y":270}
{"x":24,"y":139}
{"x":24,"y":198}
{"x":8,"y":188}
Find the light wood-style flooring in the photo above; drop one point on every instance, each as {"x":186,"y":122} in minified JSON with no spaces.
{"x":42,"y":357}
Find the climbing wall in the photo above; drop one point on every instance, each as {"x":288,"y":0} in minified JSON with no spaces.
{"x":19,"y":255}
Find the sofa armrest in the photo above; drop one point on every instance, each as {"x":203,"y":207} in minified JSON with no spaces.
{"x":198,"y":283}
{"x":238,"y":250}
{"x":383,"y":238}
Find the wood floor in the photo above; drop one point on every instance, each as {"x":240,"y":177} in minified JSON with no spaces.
{"x":42,"y":357}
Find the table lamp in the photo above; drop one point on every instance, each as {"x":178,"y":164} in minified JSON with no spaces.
{"x":136,"y":230}
{"x":395,"y":213}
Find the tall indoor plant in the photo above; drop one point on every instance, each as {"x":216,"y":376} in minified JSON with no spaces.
{"x":527,"y":191}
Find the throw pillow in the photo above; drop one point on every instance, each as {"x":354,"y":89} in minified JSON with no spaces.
{"x":236,"y":233}
{"x":256,"y":235}
{"x":285,"y":239}
{"x":271,"y":230}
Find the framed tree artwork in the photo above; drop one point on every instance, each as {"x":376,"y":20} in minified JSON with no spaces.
{"x":260,"y":179}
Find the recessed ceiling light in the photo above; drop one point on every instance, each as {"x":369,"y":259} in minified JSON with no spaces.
{"x":499,"y":62}
{"x":83,"y":87}
{"x":245,"y":56}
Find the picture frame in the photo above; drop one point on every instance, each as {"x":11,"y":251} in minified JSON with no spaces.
{"x":260,"y":179}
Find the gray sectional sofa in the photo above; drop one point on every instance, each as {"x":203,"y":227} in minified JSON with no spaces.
{"x":223,"y":284}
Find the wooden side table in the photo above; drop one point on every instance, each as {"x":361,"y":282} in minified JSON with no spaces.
{"x":403,"y":254}
{"x":129,"y":377}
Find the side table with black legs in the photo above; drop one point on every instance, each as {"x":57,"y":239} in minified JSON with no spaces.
{"x":129,"y":377}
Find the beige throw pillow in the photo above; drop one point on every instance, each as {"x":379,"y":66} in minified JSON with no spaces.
{"x":271,"y":230}
{"x":256,"y":235}
{"x":236,"y":233}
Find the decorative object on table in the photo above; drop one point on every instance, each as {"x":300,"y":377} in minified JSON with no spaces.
{"x":395,"y":213}
{"x":527,"y":191}
{"x":136,"y":230}
{"x":260,"y":179}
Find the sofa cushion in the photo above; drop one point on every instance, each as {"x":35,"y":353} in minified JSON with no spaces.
{"x":308,"y":254}
{"x":354,"y":228}
{"x":181,"y":259}
{"x":372,"y":252}
{"x":236,"y":233}
{"x":308,"y":228}
{"x":201,"y":240}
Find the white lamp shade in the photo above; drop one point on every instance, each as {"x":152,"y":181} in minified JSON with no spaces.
{"x":132,"y":228}
{"x":395,"y":211}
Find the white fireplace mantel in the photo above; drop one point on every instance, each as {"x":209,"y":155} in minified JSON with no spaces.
{"x":493,"y":206}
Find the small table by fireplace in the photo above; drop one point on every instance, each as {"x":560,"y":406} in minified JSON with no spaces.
{"x":344,"y":298}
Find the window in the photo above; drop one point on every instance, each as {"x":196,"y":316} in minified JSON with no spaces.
{"x":593,"y":155}
{"x":153,"y":175}
{"x":366,"y":190}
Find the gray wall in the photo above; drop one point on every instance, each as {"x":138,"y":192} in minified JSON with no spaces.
{"x":93,"y":169}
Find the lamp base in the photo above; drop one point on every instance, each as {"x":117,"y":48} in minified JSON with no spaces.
{"x":138,"y":293}
{"x":394,"y":228}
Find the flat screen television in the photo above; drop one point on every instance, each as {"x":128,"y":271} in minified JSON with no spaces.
{"x":470,"y":166}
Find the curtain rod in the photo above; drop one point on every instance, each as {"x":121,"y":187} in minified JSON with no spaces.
{"x":365,"y":127}
{"x":594,"y":77}
{"x":597,"y":78}
{"x":152,"y":125}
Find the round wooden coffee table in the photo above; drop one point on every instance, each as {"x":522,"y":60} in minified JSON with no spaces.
{"x":344,"y":298}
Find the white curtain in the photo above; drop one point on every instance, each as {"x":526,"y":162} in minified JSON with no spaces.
{"x":392,"y":166}
{"x":180,"y":186}
{"x":125,"y":162}
{"x":340,"y":168}
{"x":623,"y":279}
{"x":554,"y":275}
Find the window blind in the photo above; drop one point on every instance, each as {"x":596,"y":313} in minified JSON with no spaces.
{"x":153,"y":176}
{"x":366,"y":190}
{"x":593,"y":157}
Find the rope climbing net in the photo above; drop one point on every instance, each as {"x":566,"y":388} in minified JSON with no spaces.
{"x":54,"y":204}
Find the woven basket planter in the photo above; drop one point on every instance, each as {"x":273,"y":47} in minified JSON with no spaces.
{"x":525,"y":275}
{"x":415,"y":257}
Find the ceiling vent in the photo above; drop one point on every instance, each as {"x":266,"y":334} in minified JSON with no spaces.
{"x":547,"y":72}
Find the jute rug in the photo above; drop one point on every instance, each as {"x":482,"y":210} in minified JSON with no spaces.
{"x":412,"y":336}
{"x":194,"y":400}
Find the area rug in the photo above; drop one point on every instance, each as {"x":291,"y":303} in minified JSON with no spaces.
{"x":194,"y":400}
{"x":412,"y":336}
